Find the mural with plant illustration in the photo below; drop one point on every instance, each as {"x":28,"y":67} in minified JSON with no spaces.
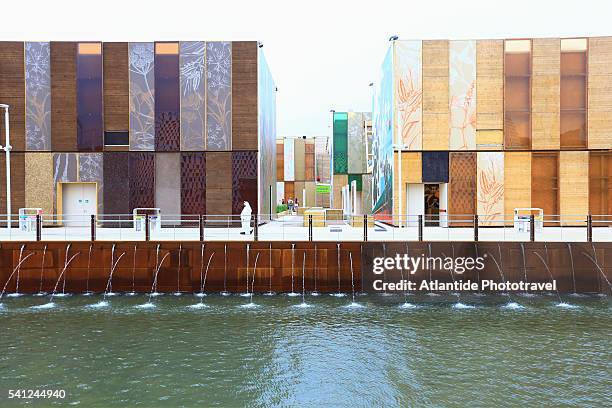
{"x":409,"y":93}
{"x":462,"y":94}
{"x":38,"y":96}
{"x":219,"y":95}
{"x":192,"y":65}
{"x":490,"y":187}
{"x":142,"y":96}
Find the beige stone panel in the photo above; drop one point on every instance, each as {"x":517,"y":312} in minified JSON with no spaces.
{"x":574,"y":186}
{"x":517,"y":179}
{"x":340,"y":180}
{"x":435,"y":94}
{"x":489,"y":84}
{"x":39,"y":181}
{"x":599,"y":96}
{"x":600,"y":129}
{"x":435,"y":58}
{"x":489,"y":139}
{"x":300,"y":160}
{"x":600,"y":56}
{"x":545,"y":131}
{"x":436,"y":131}
{"x":545,"y":94}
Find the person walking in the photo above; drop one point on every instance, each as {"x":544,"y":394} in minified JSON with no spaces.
{"x":245,"y":218}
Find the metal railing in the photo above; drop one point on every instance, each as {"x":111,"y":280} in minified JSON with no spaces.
{"x":289,"y":227}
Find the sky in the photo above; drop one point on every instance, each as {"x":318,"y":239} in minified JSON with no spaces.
{"x":322,"y":54}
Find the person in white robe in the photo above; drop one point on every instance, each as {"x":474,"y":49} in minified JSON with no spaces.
{"x":245,"y":218}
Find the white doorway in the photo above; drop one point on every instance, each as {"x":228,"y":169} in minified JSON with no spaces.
{"x":79,"y":202}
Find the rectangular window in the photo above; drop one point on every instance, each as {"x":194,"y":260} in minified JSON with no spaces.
{"x":167,"y":97}
{"x":573,"y":93}
{"x":90,"y":121}
{"x":517,"y":94}
{"x":545,"y":184}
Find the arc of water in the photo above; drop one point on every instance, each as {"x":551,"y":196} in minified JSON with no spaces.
{"x":303,"y":280}
{"x":206,"y":274}
{"x":292,"y":265}
{"x":178,"y":271}
{"x":501,"y":273}
{"x":338,"y":266}
{"x":248,"y":249}
{"x":14,"y":271}
{"x":352,"y":278}
{"x":66,"y":264}
{"x":110,"y":276}
{"x":42,"y":269}
{"x":202,"y":268}
{"x":450,"y":271}
{"x":594,"y":260}
{"x":253,"y":279}
{"x":549,"y":272}
{"x":157,"y":268}
{"x":19,"y":269}
{"x":270,"y":270}
{"x":88,"y":267}
{"x":225,"y":269}
{"x":134,"y":268}
{"x":569,"y":247}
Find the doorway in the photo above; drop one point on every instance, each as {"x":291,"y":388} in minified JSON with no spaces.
{"x":432,"y":205}
{"x":79,"y":202}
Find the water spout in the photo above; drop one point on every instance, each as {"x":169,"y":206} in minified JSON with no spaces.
{"x":87,"y":292}
{"x":178,"y":272}
{"x":42,"y":272}
{"x":315,"y":292}
{"x":14,"y":271}
{"x":270,"y":293}
{"x":552,"y":278}
{"x":133,"y":292}
{"x":153,"y":292}
{"x":16,"y":293}
{"x":225,"y":292}
{"x":201,"y":293}
{"x":201,"y":304}
{"x":292,"y":293}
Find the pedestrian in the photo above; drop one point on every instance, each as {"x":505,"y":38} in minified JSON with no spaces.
{"x":245,"y":218}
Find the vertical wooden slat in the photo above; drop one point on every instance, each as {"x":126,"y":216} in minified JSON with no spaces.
{"x":116,"y":87}
{"x":436,"y":113}
{"x":489,"y":94}
{"x":517,"y":180}
{"x":63,"y":96}
{"x":600,"y":93}
{"x":545,"y":94}
{"x":39,"y":181}
{"x":412,"y":168}
{"x":12,"y":92}
{"x":244,"y":97}
{"x":218,"y":183}
{"x":574,"y":186}
{"x":462,"y":188}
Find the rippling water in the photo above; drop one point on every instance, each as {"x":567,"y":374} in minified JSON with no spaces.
{"x":277,"y":354}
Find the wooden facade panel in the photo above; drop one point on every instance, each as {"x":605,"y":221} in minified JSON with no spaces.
{"x":340,"y":180}
{"x":489,"y":139}
{"x":435,"y":58}
{"x":17,"y":183}
{"x":299,"y":159}
{"x":489,"y":84}
{"x":436,"y":131}
{"x":289,"y":191}
{"x":116,"y":87}
{"x":412,"y":169}
{"x":12,"y":91}
{"x":599,"y":82}
{"x":600,"y":184}
{"x":574,"y":186}
{"x":545,"y":183}
{"x":461,"y":187}
{"x":218,"y":201}
{"x":63,"y":96}
{"x":244,"y":95}
{"x":219,"y":171}
{"x":517,"y":177}
{"x":280,"y":161}
{"x":545,"y":94}
{"x":39,"y":181}
{"x":435,"y":94}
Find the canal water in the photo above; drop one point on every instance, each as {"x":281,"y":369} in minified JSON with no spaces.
{"x":276,"y":353}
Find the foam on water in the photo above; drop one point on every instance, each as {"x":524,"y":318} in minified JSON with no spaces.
{"x":49,"y":305}
{"x":338,"y":295}
{"x":407,"y":305}
{"x":14,"y":294}
{"x":177,"y":293}
{"x":197,"y":306}
{"x":250,"y":305}
{"x":566,"y":305}
{"x":147,"y":305}
{"x":61,"y":295}
{"x":460,"y":305}
{"x":100,"y":304}
{"x":110,"y":294}
{"x":245,"y":295}
{"x":354,"y":305}
{"x":200,"y":294}
{"x":513,"y":306}
{"x":302,"y":305}
{"x":293,"y":294}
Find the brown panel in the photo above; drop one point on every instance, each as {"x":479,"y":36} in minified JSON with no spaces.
{"x":489,"y":85}
{"x":116,"y":87}
{"x":244,"y":95}
{"x":600,"y":183}
{"x":63,"y":96}
{"x":600,"y":93}
{"x":289,"y":191}
{"x":309,"y":161}
{"x":544,"y":183}
{"x":218,"y":183}
{"x":436,"y":114}
{"x":299,"y":163}
{"x":280,"y":161}
{"x":574,"y":186}
{"x":193,"y":183}
{"x":545,"y":94}
{"x":462,"y":187}
{"x":17,"y":183}
{"x":12,"y":91}
{"x":517,"y":182}
{"x":340,"y":180}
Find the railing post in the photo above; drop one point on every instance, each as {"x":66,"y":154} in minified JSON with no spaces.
{"x":420,"y":227}
{"x":310,"y":227}
{"x":475,"y":227}
{"x":147,"y":228}
{"x":38,"y":228}
{"x":365,"y":227}
{"x":532,"y":228}
{"x":256,"y":228}
{"x":93,"y":227}
{"x":589,"y":228}
{"x":201,"y":228}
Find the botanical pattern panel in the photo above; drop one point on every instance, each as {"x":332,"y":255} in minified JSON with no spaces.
{"x":38,"y":96}
{"x":142,"y":96}
{"x":356,"y":143}
{"x":219,"y":95}
{"x":382,"y":145}
{"x":490,"y":187}
{"x":409,"y":93}
{"x":289,"y":160}
{"x":91,"y":168}
{"x":266,"y":98}
{"x":462,"y":94}
{"x":193,"y":95}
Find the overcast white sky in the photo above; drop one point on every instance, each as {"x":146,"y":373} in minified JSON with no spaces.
{"x":323,"y":54}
